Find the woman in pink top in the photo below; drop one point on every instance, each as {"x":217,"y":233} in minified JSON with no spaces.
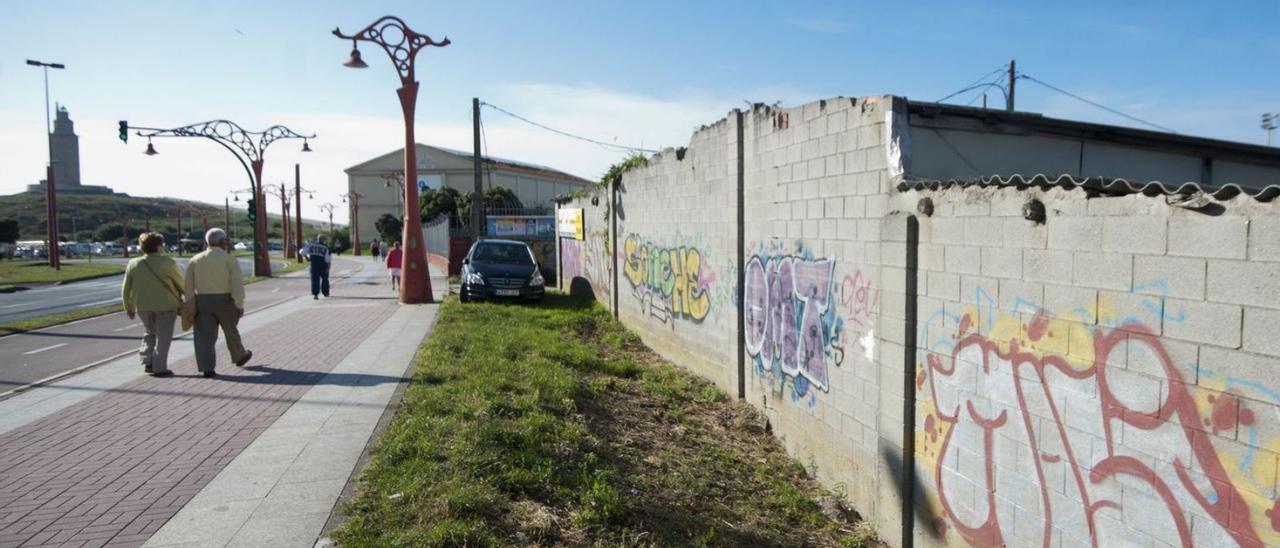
{"x":393,"y":264}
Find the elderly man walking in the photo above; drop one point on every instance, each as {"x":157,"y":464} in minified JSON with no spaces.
{"x":214,"y":281}
{"x":153,"y":292}
{"x":317,"y":253}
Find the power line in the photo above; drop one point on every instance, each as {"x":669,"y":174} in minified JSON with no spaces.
{"x":1103,"y":107}
{"x":968,"y":87}
{"x":983,"y":91}
{"x":567,"y":134}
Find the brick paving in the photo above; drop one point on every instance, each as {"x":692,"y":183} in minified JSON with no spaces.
{"x":111,"y":470}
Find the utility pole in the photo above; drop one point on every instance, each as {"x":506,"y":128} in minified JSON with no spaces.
{"x":477,"y":200}
{"x":1269,"y":121}
{"x":1013,"y":79}
{"x":227,"y":212}
{"x":297,"y":196}
{"x":181,"y":236}
{"x":124,"y":226}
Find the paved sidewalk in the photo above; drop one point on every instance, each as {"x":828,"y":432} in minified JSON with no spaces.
{"x":257,"y":456}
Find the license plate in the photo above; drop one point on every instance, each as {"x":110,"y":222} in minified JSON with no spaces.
{"x":506,"y":292}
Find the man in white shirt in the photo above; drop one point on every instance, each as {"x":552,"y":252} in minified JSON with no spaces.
{"x":214,"y":281}
{"x":317,"y":253}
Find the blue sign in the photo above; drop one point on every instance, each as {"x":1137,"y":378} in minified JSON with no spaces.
{"x":526,"y":226}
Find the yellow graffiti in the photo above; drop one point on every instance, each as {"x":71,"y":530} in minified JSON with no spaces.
{"x":673,"y":273}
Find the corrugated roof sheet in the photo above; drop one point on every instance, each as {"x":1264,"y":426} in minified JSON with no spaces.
{"x":1100,"y":184}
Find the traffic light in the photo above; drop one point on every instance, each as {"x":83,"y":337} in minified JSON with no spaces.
{"x":253,"y":210}
{"x":124,"y":131}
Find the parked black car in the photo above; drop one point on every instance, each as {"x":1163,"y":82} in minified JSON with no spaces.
{"x":501,"y":269}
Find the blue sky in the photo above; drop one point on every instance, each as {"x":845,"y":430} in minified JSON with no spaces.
{"x":641,"y":73}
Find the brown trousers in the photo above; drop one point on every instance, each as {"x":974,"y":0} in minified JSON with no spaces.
{"x":212,"y":311}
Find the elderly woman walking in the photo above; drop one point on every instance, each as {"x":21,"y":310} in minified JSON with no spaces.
{"x":214,"y":281}
{"x":153,"y":292}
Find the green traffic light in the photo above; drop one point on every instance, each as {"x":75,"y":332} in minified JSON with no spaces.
{"x":124,"y":131}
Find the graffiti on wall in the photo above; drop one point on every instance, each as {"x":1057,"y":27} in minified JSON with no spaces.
{"x":571,"y":260}
{"x":1038,"y":430}
{"x":789,"y":315}
{"x":597,"y":263}
{"x":860,"y":302}
{"x":670,"y":283}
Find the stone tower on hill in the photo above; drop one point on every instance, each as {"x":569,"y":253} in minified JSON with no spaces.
{"x":65,"y":148}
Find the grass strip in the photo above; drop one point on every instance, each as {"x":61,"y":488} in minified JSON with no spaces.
{"x":40,"y":322}
{"x":17,"y":272}
{"x":553,"y":425}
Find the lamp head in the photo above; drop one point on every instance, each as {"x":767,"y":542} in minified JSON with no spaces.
{"x":151,"y":149}
{"x":305,"y":147}
{"x":355,"y":61}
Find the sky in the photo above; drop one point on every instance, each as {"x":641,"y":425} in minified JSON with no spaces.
{"x":638,"y":74}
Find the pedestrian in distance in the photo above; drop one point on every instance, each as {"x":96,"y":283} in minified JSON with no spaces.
{"x":373,"y":250}
{"x":394,"y":259}
{"x":317,"y":253}
{"x":214,"y":282}
{"x":383,"y":249}
{"x":152,"y":292}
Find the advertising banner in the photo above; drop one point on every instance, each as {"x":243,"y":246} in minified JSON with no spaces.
{"x":569,"y":223}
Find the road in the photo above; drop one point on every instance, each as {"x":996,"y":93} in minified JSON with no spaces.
{"x":56,"y":299}
{"x":29,"y":357}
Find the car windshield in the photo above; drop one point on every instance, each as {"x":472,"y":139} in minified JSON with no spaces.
{"x":502,"y":253}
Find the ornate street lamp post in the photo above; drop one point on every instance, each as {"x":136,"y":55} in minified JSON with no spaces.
{"x":249,"y":147}
{"x":329,"y":208}
{"x":402,"y":45}
{"x":355,"y":218}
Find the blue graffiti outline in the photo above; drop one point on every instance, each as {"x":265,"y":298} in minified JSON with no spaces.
{"x":832,"y":325}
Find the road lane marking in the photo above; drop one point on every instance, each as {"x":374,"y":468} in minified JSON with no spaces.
{"x":119,"y":329}
{"x":39,"y":350}
{"x":108,"y":301}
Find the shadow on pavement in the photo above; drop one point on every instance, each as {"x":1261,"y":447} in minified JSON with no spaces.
{"x":310,"y":378}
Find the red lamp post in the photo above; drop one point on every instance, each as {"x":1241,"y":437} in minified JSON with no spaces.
{"x":402,"y":45}
{"x":124,"y":224}
{"x":329,"y":208}
{"x":355,"y":218}
{"x":283,"y":191}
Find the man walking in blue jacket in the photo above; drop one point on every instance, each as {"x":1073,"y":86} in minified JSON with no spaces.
{"x":317,"y":253}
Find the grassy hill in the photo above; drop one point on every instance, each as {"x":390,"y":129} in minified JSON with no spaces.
{"x":83,"y":215}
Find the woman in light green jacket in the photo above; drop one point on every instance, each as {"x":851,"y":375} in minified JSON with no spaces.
{"x":152,"y":291}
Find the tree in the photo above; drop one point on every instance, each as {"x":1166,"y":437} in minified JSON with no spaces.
{"x":111,"y":232}
{"x":341,"y":240}
{"x":496,"y":197}
{"x":389,"y":227}
{"x":9,"y":231}
{"x":433,"y":203}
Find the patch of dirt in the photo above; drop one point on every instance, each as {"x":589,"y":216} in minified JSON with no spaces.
{"x":690,"y":465}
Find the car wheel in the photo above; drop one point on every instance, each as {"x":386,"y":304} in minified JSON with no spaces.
{"x":462,"y":295}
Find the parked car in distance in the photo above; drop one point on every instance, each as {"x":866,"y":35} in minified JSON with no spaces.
{"x":501,"y":270}
{"x":241,"y":246}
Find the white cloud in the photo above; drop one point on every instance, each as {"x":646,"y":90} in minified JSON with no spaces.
{"x":200,"y":170}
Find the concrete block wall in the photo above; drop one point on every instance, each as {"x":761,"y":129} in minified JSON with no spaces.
{"x":677,"y":253}
{"x":1107,"y":377}
{"x":587,"y":264}
{"x":815,"y":191}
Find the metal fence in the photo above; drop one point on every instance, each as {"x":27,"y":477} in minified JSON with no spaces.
{"x":435,"y":235}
